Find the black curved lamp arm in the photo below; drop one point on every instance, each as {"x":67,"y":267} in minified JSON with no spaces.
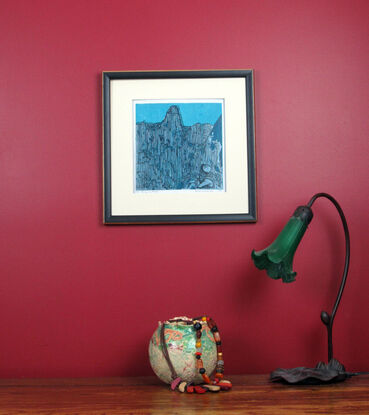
{"x":325,"y":317}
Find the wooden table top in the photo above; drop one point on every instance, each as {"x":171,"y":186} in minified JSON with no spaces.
{"x":251,"y":394}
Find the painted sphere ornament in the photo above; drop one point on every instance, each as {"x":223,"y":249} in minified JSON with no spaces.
{"x":180,"y":339}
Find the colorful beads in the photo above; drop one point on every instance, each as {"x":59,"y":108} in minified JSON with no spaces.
{"x":199,"y":364}
{"x":206,"y":378}
{"x":212,"y":388}
{"x":218,"y":383}
{"x":220,"y":362}
{"x":182,"y":387}
{"x":175,"y":383}
{"x":199,"y":389}
{"x":220,"y":367}
{"x":225,"y":385}
{"x":197,"y":326}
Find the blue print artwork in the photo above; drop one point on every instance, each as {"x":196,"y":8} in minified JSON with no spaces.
{"x":179,"y":145}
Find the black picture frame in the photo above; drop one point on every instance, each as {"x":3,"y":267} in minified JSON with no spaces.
{"x":243,"y":214}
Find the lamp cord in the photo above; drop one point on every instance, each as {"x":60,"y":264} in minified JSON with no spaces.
{"x":325,"y":317}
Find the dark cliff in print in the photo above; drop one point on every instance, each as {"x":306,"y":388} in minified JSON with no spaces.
{"x":171,"y":156}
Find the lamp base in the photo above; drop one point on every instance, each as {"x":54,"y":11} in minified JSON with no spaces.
{"x":332,"y":372}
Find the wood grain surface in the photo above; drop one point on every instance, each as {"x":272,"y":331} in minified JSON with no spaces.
{"x":251,"y":394}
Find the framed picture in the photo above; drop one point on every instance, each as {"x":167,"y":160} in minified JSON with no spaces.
{"x":179,"y":147}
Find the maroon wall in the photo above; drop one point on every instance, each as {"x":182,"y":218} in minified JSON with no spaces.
{"x":82,"y":299}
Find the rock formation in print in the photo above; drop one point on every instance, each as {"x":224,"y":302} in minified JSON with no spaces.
{"x":172,"y":156}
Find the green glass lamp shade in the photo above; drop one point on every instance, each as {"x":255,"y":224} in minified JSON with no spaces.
{"x":277,"y":258}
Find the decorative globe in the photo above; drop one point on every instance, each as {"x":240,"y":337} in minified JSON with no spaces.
{"x":180,"y":339}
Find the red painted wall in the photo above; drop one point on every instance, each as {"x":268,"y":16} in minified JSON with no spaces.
{"x":82,"y":299}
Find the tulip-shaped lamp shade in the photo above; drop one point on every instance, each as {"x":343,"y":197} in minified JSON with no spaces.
{"x":277,"y":260}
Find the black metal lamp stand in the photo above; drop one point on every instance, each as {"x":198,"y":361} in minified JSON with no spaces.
{"x":277,"y":260}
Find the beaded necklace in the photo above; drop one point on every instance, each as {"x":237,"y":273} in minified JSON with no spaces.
{"x":209,"y":385}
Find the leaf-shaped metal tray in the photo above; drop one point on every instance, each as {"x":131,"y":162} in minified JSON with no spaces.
{"x":332,"y":372}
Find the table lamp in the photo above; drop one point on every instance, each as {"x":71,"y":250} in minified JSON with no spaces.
{"x":277,"y":260}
